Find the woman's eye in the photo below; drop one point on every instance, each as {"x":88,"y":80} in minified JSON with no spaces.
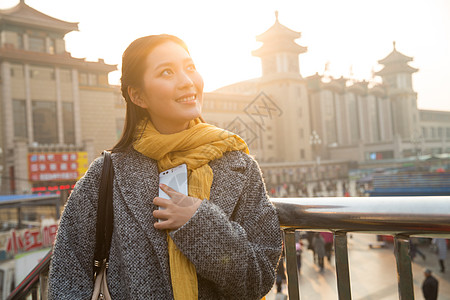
{"x":167,"y":72}
{"x":191,"y":68}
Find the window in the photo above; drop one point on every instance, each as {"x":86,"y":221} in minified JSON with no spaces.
{"x":65,"y":75}
{"x":51,"y":46}
{"x":42,"y":73}
{"x":424,"y":132}
{"x":44,"y":122}
{"x":19,"y":41}
{"x":92,"y":79}
{"x":20,"y":118}
{"x":83,"y":78}
{"x":68,"y":123}
{"x":36,"y":44}
{"x":302,"y":153}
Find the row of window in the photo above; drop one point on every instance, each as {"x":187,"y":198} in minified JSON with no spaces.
{"x":37,"y":43}
{"x":433,"y":132}
{"x":65,"y":75}
{"x":44,"y":120}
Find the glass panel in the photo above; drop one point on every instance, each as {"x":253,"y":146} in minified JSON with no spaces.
{"x":51,"y":46}
{"x":20,"y":118}
{"x":44,"y":122}
{"x":83,"y":79}
{"x":36,"y":44}
{"x":68,"y":123}
{"x":93,"y":80}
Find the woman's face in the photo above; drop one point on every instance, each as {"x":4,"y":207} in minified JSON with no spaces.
{"x":172,"y":90}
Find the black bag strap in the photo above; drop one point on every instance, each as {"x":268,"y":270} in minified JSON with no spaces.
{"x":104,"y":226}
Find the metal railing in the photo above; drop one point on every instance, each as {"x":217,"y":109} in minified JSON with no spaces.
{"x":401,"y":217}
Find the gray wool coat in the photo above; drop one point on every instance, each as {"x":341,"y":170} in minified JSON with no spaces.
{"x":234,"y":239}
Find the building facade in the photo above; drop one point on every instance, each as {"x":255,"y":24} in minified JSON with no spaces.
{"x":320,"y":117}
{"x":59,"y":112}
{"x":55,"y":109}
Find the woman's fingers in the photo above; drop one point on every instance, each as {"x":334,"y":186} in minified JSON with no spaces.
{"x":175,"y":216}
{"x":162,"y":202}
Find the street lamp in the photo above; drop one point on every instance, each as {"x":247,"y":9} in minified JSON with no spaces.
{"x":417,"y":143}
{"x":315,"y":142}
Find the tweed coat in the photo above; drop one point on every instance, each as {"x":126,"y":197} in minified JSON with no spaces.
{"x":234,"y":239}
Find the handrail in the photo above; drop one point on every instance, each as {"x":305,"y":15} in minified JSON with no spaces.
{"x":388,"y":215}
{"x":401,"y":217}
{"x":31,"y":280}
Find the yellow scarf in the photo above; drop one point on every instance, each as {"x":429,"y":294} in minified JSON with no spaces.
{"x":196,"y":147}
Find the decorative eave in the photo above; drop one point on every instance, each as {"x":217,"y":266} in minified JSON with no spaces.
{"x":272,"y":47}
{"x":278,"y":38}
{"x":65,"y":60}
{"x":314,"y":82}
{"x":24,"y":15}
{"x":395,"y":57}
{"x":278,"y":30}
{"x":359,"y":87}
{"x":395,"y":69}
{"x":378,"y":90}
{"x":336,"y":85}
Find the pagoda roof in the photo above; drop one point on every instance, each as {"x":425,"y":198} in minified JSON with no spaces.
{"x":396,"y":68}
{"x":278,"y":38}
{"x":22,"y":14}
{"x":277,"y":30}
{"x":276,"y":46}
{"x":395,"y":57}
{"x":64,"y":59}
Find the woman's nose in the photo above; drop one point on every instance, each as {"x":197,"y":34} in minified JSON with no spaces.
{"x":185,"y":80}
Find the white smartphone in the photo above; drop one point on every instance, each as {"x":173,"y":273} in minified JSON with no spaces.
{"x":175,"y":178}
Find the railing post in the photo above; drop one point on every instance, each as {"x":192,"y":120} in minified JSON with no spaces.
{"x":291,"y":264}
{"x":342,"y":269}
{"x":404,"y":272}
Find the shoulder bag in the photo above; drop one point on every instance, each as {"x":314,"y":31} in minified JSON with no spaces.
{"x":104,"y":228}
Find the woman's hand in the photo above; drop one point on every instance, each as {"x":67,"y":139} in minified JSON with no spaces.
{"x":177,"y":210}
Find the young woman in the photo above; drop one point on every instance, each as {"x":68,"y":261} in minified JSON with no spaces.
{"x":223,"y":241}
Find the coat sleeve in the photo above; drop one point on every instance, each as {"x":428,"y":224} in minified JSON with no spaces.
{"x":239,"y":256}
{"x":71,"y":266}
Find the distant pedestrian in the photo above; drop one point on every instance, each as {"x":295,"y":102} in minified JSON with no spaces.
{"x":328,"y":238}
{"x":319,"y":249}
{"x":430,"y":286}
{"x":441,"y":245}
{"x":298,"y":251}
{"x":281,"y":274}
{"x":414,"y":250}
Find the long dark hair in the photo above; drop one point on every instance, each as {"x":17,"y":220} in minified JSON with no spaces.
{"x":133,"y":69}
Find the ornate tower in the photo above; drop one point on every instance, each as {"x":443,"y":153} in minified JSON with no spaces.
{"x":279,"y":52}
{"x":397,"y":77}
{"x":287,"y":138}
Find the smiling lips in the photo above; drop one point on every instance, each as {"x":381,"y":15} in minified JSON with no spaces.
{"x":187,"y":99}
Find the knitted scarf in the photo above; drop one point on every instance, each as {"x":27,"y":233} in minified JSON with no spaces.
{"x":196,"y":147}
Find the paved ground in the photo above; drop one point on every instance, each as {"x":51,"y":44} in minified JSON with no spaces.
{"x":373,"y":274}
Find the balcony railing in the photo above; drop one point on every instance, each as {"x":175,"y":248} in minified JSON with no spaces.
{"x":401,"y":217}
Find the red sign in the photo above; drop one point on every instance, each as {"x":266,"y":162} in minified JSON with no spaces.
{"x":31,"y":239}
{"x":60,"y":166}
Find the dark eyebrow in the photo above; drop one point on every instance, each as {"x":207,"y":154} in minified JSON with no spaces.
{"x":164,"y":64}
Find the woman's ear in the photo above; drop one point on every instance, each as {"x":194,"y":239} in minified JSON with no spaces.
{"x":136,"y":97}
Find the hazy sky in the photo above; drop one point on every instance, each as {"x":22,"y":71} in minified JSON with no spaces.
{"x":350,"y":34}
